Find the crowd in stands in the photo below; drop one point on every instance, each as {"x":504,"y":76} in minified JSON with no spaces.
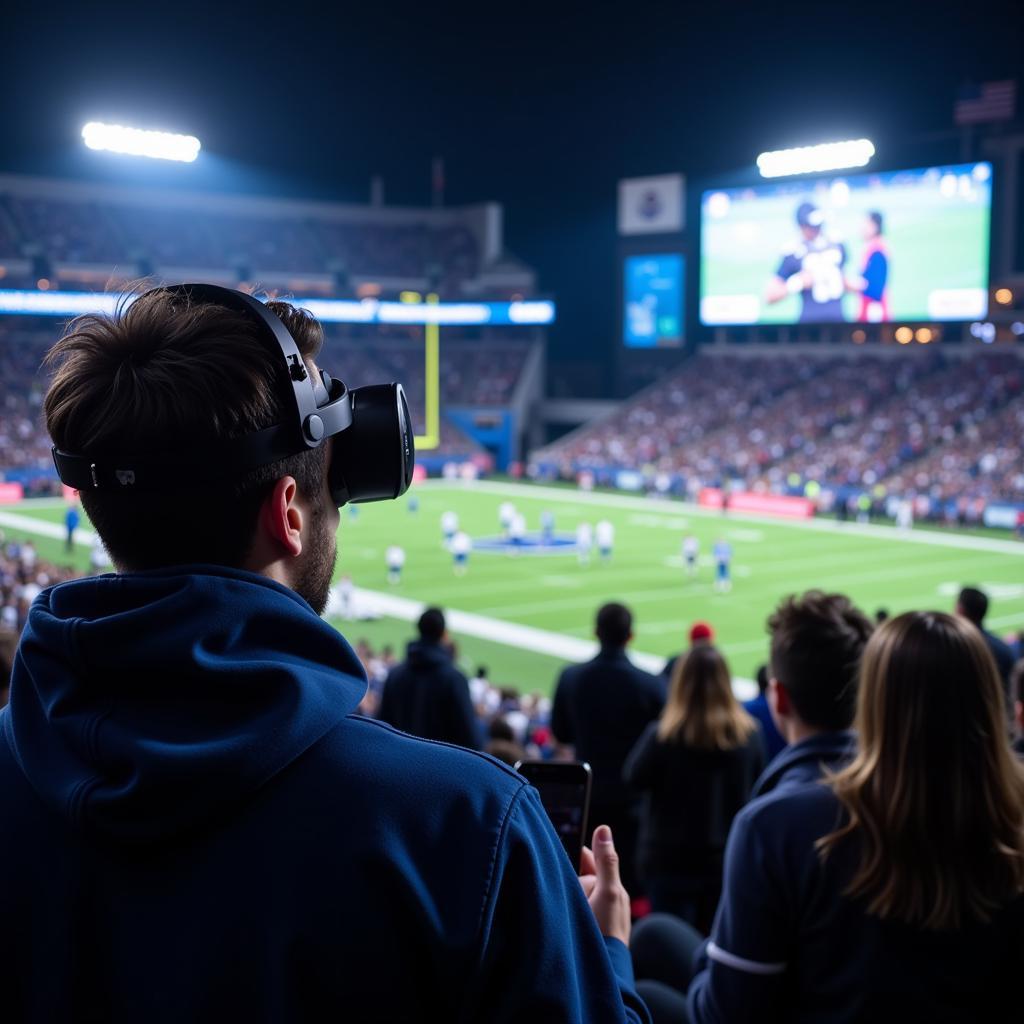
{"x":933,"y":428}
{"x":24,"y":446}
{"x":109,"y":234}
{"x":984,"y":463}
{"x":23,"y":575}
{"x":480,"y":371}
{"x":922,"y":412}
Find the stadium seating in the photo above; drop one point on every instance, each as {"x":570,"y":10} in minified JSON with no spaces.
{"x":474,"y":373}
{"x":24,"y":445}
{"x":928,"y":426}
{"x":124,"y":237}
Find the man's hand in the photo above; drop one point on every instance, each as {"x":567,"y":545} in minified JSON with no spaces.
{"x":599,"y":876}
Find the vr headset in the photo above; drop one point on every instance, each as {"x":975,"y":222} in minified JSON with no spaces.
{"x":373,"y":454}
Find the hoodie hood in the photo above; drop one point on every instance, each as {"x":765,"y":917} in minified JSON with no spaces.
{"x":807,"y":760}
{"x":425,"y":657}
{"x":144,"y":704}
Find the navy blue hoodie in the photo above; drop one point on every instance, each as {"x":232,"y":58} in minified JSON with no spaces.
{"x":197,"y":827}
{"x":806,"y":761}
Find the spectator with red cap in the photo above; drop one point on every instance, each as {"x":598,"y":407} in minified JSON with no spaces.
{"x":701,"y":632}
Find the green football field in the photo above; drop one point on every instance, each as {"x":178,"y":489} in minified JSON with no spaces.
{"x":934,"y":241}
{"x":525,"y":616}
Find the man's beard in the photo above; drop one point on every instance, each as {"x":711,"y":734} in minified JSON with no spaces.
{"x":314,"y":574}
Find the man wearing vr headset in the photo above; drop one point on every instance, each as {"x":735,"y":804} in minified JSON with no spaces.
{"x":195,"y":824}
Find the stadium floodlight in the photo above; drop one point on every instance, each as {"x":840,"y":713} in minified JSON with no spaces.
{"x":830,"y":156}
{"x":116,"y":138}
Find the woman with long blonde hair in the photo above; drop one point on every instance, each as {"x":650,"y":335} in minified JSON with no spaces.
{"x":697,"y":765}
{"x":893,"y":890}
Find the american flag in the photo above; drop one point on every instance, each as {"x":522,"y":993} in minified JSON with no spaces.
{"x":990,"y":101}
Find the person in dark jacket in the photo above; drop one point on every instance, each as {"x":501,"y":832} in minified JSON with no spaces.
{"x":817,"y":641}
{"x":890,"y":891}
{"x":758,"y":709}
{"x":697,"y":765}
{"x":196,"y":825}
{"x":600,"y":709}
{"x":426,"y":695}
{"x":972,"y":604}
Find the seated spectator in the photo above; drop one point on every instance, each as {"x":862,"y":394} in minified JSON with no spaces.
{"x":817,"y":640}
{"x":895,"y":889}
{"x":758,"y":708}
{"x":426,"y":695}
{"x":696,"y":764}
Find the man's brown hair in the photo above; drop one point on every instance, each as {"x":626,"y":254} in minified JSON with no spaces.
{"x":167,"y":375}
{"x":816,"y":646}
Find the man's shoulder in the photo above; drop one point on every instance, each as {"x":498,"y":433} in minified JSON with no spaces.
{"x":641,"y":675}
{"x":362,"y":748}
{"x":801,"y":807}
{"x":999,"y":647}
{"x":570,"y":675}
{"x":455,"y":675}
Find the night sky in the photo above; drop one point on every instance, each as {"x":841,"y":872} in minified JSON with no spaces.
{"x":541,"y":106}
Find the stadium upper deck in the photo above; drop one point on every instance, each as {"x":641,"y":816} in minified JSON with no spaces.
{"x":88,"y":234}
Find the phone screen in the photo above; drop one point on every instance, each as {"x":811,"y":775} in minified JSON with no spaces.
{"x":564,"y":790}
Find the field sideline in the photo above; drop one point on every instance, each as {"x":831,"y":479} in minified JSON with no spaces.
{"x":525,"y":616}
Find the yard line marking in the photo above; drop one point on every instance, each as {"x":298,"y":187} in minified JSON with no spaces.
{"x":1005,"y":620}
{"x":890,"y":533}
{"x":541,"y":641}
{"x":669,"y":592}
{"x":44,"y":529}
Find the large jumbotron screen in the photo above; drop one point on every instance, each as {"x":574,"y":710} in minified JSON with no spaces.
{"x":870,"y":248}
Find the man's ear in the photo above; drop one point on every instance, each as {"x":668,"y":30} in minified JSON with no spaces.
{"x":1018,"y":707}
{"x":281,"y":518}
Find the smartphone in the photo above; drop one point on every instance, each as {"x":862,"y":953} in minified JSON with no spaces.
{"x":564,"y":788}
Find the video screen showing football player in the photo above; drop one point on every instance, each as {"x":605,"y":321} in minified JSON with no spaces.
{"x":811,"y":268}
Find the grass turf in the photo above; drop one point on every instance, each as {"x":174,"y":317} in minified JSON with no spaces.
{"x":879,"y":569}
